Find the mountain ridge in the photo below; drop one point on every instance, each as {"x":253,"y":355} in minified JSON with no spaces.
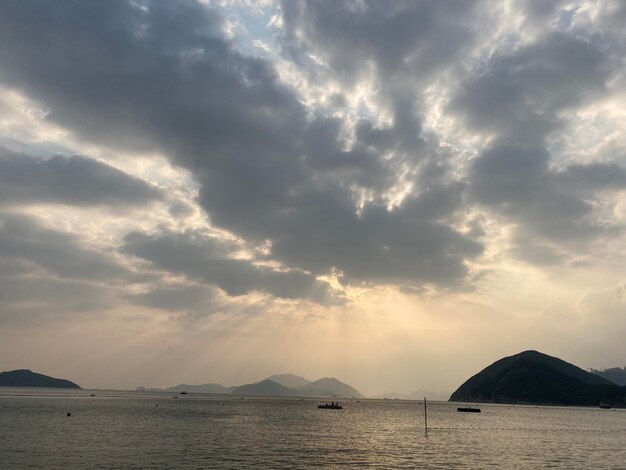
{"x":264,"y":387}
{"x":275,"y":385}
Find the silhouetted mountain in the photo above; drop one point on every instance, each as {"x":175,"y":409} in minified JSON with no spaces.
{"x":275,"y":385}
{"x":331,"y":384}
{"x":28,"y":378}
{"x":533,"y":377}
{"x":204,"y":388}
{"x":614,"y":374}
{"x":290,"y":380}
{"x":265,"y":387}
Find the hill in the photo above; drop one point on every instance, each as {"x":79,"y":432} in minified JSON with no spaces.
{"x":265,"y":387}
{"x":533,"y":377}
{"x":28,"y":378}
{"x":332,"y":385}
{"x":614,"y":374}
{"x":290,"y":380}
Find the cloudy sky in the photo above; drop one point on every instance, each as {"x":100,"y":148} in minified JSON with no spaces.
{"x":393,"y":193}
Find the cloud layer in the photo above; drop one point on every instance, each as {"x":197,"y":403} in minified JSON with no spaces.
{"x":308,"y":154}
{"x":70,"y":180}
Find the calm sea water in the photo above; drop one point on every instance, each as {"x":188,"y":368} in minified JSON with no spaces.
{"x":126,"y":430}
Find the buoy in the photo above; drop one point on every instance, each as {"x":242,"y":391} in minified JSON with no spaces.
{"x":69,"y":414}
{"x":156,"y":404}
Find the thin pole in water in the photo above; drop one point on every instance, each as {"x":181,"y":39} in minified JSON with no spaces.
{"x":425,"y":417}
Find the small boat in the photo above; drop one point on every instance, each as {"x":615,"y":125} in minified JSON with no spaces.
{"x":468,"y":409}
{"x":605,"y":406}
{"x":183,"y":393}
{"x":330,"y":406}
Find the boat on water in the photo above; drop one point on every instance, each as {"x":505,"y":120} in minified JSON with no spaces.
{"x":605,"y":406}
{"x":183,"y":393}
{"x":330,"y":406}
{"x":468,"y":409}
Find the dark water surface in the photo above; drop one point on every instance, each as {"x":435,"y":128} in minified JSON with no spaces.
{"x":126,"y":430}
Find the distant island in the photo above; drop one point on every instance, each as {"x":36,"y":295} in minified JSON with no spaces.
{"x":28,"y":378}
{"x":283,"y":385}
{"x":531,"y":377}
{"x":616,"y":375}
{"x":414,"y":395}
{"x":203,"y":388}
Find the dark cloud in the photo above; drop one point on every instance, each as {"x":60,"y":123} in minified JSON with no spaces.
{"x":196,"y":299}
{"x":405,"y":41}
{"x":541,"y":9}
{"x":519,"y":94}
{"x":28,"y":293}
{"x":593,"y":176}
{"x":59,"y":253}
{"x":42,"y":296}
{"x":163,"y":77}
{"x":400,"y":47}
{"x":378,"y":245}
{"x":210,"y":260}
{"x":69,"y":180}
{"x":517,"y":182}
{"x":520,"y":98}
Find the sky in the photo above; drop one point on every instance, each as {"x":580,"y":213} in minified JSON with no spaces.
{"x":395,"y":194}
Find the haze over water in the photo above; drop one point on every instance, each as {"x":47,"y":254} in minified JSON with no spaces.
{"x":126,"y":430}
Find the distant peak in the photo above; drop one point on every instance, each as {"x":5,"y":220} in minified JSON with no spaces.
{"x":290,"y":380}
{"x":530,"y":352}
{"x":264,"y":381}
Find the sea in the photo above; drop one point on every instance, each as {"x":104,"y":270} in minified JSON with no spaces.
{"x":154,"y":430}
